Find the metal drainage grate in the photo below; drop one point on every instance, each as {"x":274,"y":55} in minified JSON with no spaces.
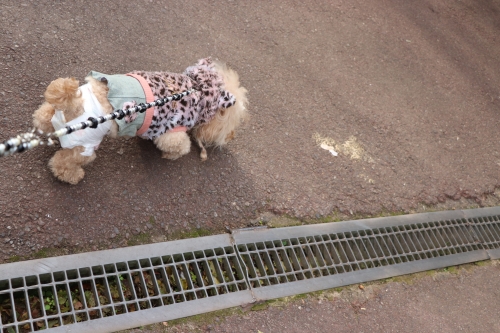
{"x":106,"y":290}
{"x":292,"y":259}
{"x":94,"y":292}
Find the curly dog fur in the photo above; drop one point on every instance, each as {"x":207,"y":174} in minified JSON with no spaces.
{"x":63,"y":94}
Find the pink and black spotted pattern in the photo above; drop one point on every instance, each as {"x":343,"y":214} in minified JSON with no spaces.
{"x":197,"y":108}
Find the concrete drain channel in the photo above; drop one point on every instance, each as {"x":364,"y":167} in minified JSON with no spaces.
{"x":111,"y":290}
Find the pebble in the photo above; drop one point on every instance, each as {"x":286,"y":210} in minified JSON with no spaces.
{"x":266,"y":218}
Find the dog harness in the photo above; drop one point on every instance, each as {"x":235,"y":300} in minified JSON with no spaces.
{"x":128,"y":90}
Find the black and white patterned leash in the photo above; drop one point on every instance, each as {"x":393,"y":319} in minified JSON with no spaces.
{"x":30,"y":140}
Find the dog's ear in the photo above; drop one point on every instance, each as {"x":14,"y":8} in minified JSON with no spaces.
{"x":61,"y":92}
{"x":42,"y":117}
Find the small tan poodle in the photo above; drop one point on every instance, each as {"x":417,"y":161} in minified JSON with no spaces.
{"x":210,"y":114}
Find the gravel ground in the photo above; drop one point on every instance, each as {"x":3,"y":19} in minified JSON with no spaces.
{"x":406,"y":93}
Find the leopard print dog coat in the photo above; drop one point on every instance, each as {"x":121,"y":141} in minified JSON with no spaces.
{"x":196,"y":108}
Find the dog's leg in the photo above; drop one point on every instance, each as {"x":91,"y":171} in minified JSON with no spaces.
{"x":67,"y":164}
{"x":42,"y":118}
{"x":203,"y":153}
{"x":173,"y":144}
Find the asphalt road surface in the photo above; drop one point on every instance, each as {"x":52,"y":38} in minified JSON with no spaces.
{"x":406,"y":92}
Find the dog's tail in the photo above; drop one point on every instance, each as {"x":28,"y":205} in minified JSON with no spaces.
{"x":220,"y":130}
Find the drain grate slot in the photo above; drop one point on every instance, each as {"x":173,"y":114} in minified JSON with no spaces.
{"x":124,"y":288}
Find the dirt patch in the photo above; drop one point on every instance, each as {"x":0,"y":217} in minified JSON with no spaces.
{"x":351,"y":148}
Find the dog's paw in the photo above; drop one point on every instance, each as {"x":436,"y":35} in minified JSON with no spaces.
{"x":71,"y":176}
{"x":203,"y":155}
{"x":170,"y":155}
